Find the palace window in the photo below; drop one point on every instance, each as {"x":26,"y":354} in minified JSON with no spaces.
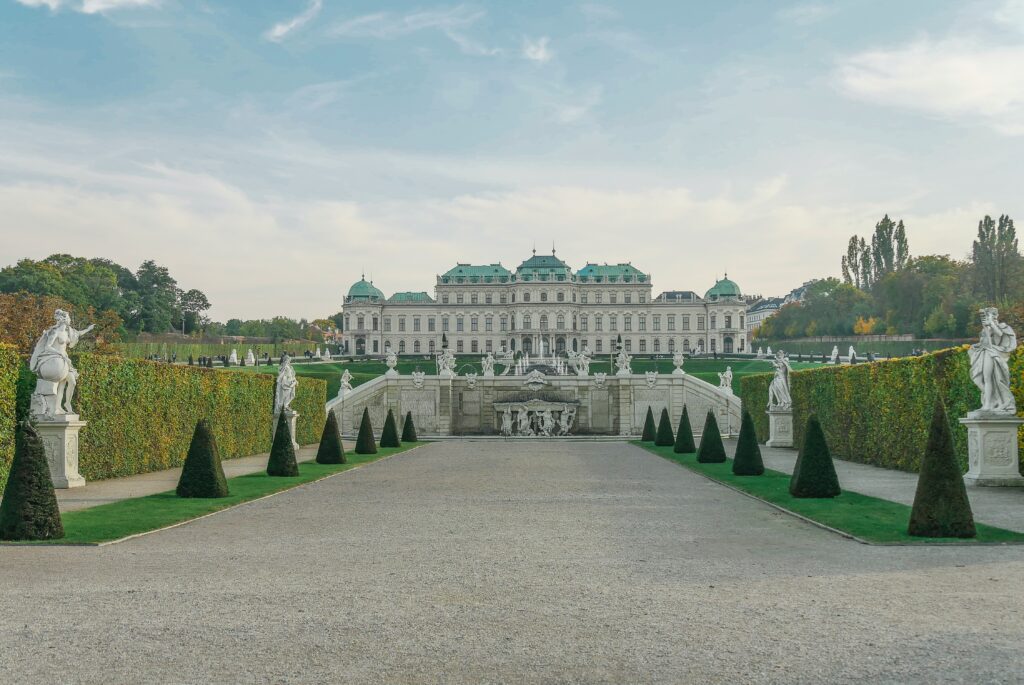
{"x":474,"y":324}
{"x":686,"y":345}
{"x":445,"y":327}
{"x":700,"y":323}
{"x":656,"y":322}
{"x":444,"y":299}
{"x":671,"y":345}
{"x":375,"y":323}
{"x":544,"y":296}
{"x":503,"y":298}
{"x":459,"y":324}
{"x":431,"y":325}
{"x":629,"y":345}
{"x":627,"y":322}
{"x":527,"y":322}
{"x":488,"y":298}
{"x":401,"y":324}
{"x":643,"y":299}
{"x":489,"y":345}
{"x":526,"y":297}
{"x":583,"y":298}
{"x":657,"y":345}
{"x":474,"y":346}
{"x":416,"y":346}
{"x":671,"y":322}
{"x":643,"y":322}
{"x":613,"y":297}
{"x":473,"y":298}
{"x":598,"y":344}
{"x":460,"y":347}
{"x":561,"y":296}
{"x":560,"y":323}
{"x":741,"y":321}
{"x":714,"y":321}
{"x":598,"y":297}
{"x":489,"y":324}
{"x":686,"y":322}
{"x":627,"y":298}
{"x":728,"y":320}
{"x":376,"y":347}
{"x":543,"y":322}
{"x":504,"y":323}
{"x":387,"y":324}
{"x":348,"y":323}
{"x":459,"y":298}
{"x":361,"y":322}
{"x":401,"y":347}
{"x":583,"y":323}
{"x":431,"y":347}
{"x":416,"y":324}
{"x":713,"y":346}
{"x":598,"y":323}
{"x":643,"y":344}
{"x":613,"y":322}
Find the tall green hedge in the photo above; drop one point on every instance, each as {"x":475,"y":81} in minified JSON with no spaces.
{"x":141,"y":414}
{"x":9,"y":365}
{"x":880,"y":413}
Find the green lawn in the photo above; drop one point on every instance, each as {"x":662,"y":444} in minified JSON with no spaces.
{"x":117,"y":520}
{"x":363,"y":371}
{"x":870,"y":519}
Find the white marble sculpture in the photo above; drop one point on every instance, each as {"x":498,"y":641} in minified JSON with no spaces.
{"x":760,"y":353}
{"x":233,"y":358}
{"x":487,"y":364}
{"x":990,"y":369}
{"x":523,"y":424}
{"x":622,"y":364}
{"x":56,"y":376}
{"x":446,"y":363}
{"x":565,"y":420}
{"x":580,"y":361}
{"x":317,"y":355}
{"x":600,"y":379}
{"x":535,"y":380}
{"x":250,"y":358}
{"x":677,"y":361}
{"x":725,"y":380}
{"x":851,"y":354}
{"x":471,"y":380}
{"x":284,"y":393}
{"x":651,"y":377}
{"x":778,"y":392}
{"x":391,"y":361}
{"x":508,"y":360}
{"x":506,"y":422}
{"x":346,"y":382}
{"x":418,"y":379}
{"x":769,"y":353}
{"x":326,"y":356}
{"x":835,"y":354}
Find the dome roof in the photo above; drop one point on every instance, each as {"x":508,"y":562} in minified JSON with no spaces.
{"x":723,"y":288}
{"x":364,"y":290}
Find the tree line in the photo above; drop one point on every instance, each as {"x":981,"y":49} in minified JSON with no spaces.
{"x":886,"y":290}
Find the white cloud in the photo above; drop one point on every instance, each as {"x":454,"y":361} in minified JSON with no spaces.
{"x":278,"y":32}
{"x":54,"y":5}
{"x":806,"y":14}
{"x":90,"y":6}
{"x":537,"y":50}
{"x":955,"y":80}
{"x":452,"y":22}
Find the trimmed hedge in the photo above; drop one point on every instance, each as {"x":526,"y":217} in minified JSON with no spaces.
{"x":664,"y":436}
{"x":9,"y":372}
{"x":648,"y":434}
{"x":141,"y":414}
{"x":409,"y":429}
{"x":389,"y":436}
{"x":29,"y":509}
{"x":941,"y":507}
{"x":880,"y":413}
{"x":202,"y":475}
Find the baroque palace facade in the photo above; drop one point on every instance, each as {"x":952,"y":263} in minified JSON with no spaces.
{"x":543,"y":307}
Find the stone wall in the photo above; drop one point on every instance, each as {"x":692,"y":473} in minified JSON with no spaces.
{"x":615,"y":405}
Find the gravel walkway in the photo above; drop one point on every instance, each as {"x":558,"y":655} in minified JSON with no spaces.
{"x":536,"y":562}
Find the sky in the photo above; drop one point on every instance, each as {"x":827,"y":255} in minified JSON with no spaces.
{"x":270,"y":152}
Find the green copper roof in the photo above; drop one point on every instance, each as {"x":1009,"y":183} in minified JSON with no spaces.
{"x":485,"y":273}
{"x":410,"y":297}
{"x":363,"y":290}
{"x":544,"y":267}
{"x":611,"y":273}
{"x":723,"y":288}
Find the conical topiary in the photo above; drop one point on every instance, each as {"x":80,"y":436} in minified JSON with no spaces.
{"x":364,"y":441}
{"x":941,"y":508}
{"x":282,"y":452}
{"x":814,"y":474}
{"x":202,"y":475}
{"x":664,"y":438}
{"x":408,"y":429}
{"x":684,"y":436}
{"x":711,"y":450}
{"x":747,"y":461}
{"x":389,"y":436}
{"x":648,"y":434}
{"x":330,"y":450}
{"x":29,"y":509}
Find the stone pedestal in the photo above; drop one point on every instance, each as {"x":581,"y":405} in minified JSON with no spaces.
{"x":992,"y":450}
{"x":59,"y":436}
{"x":290,"y":416}
{"x":391,"y":373}
{"x":780,"y":428}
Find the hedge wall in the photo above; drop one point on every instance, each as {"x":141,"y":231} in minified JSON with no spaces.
{"x":9,"y":363}
{"x":879,"y":413}
{"x":141,"y":414}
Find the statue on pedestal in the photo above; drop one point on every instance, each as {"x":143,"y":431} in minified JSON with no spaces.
{"x":487,"y":365}
{"x":446,"y":363}
{"x":622,"y":364}
{"x":284,"y":393}
{"x":835,"y":354}
{"x":725,"y":379}
{"x":506,"y":422}
{"x":57,"y":376}
{"x":778,"y":392}
{"x":990,"y":368}
{"x":346,"y":382}
{"x":391,"y":361}
{"x":677,"y":360}
{"x":250,"y":358}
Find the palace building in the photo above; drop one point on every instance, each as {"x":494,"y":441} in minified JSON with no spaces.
{"x":544,"y":307}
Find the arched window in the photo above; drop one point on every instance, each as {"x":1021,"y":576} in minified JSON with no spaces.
{"x":560,"y":322}
{"x":544,"y":296}
{"x":401,"y":347}
{"x":431,"y":346}
{"x":657,"y":345}
{"x":686,"y":345}
{"x":416,"y":346}
{"x":671,"y":345}
{"x":526,"y":297}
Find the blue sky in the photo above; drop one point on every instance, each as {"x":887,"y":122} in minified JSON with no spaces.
{"x":268,"y":152}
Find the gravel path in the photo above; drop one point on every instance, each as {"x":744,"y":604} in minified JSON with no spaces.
{"x":531,"y":562}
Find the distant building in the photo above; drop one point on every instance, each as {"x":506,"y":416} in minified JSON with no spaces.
{"x":767,"y":307}
{"x":544,"y":307}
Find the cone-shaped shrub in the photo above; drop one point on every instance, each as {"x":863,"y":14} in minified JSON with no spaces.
{"x":29,"y":509}
{"x":364,"y":441}
{"x":389,"y":436}
{"x":684,"y":436}
{"x":941,"y":508}
{"x":282,"y":452}
{"x":648,"y":434}
{"x":408,"y":429}
{"x":330,"y":450}
{"x":664,"y":437}
{"x":747,"y":461}
{"x":711,"y":450}
{"x":202,"y":475}
{"x":814,"y":474}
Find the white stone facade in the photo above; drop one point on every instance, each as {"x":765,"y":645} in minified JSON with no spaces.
{"x":544,"y":307}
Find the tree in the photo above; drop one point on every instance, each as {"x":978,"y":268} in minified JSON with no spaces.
{"x":282,"y":452}
{"x":747,"y":461}
{"x":941,"y":508}
{"x":202,"y":474}
{"x":364,"y":441}
{"x":408,"y":429}
{"x":330,"y":451}
{"x":664,"y":437}
{"x":389,"y":436}
{"x":192,"y":304}
{"x":648,"y":432}
{"x":711,"y":450}
{"x":996,"y":258}
{"x":29,"y":508}
{"x":684,"y":436}
{"x":814,"y":475}
{"x":157,"y":298}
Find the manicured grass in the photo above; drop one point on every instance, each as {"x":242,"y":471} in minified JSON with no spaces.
{"x":117,"y":520}
{"x":870,"y":519}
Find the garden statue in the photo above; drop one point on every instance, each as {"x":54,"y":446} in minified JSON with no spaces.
{"x":565,"y":420}
{"x":508,"y":359}
{"x":446,"y":363}
{"x":417,"y":379}
{"x":391,"y":360}
{"x":835,"y":354}
{"x":506,"y":422}
{"x":677,"y":361}
{"x":725,"y":379}
{"x":778,"y":391}
{"x":580,"y":361}
{"x":760,"y":353}
{"x":470,"y":380}
{"x":286,"y":384}
{"x":233,"y":358}
{"x":853,"y":355}
{"x":487,"y":365}
{"x":346,"y":382}
{"x":250,"y":358}
{"x":56,"y":375}
{"x":622,"y":362}
{"x":524,"y":424}
{"x":990,"y":369}
{"x":651,"y":378}
{"x":599,"y":379}
{"x":769,"y":353}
